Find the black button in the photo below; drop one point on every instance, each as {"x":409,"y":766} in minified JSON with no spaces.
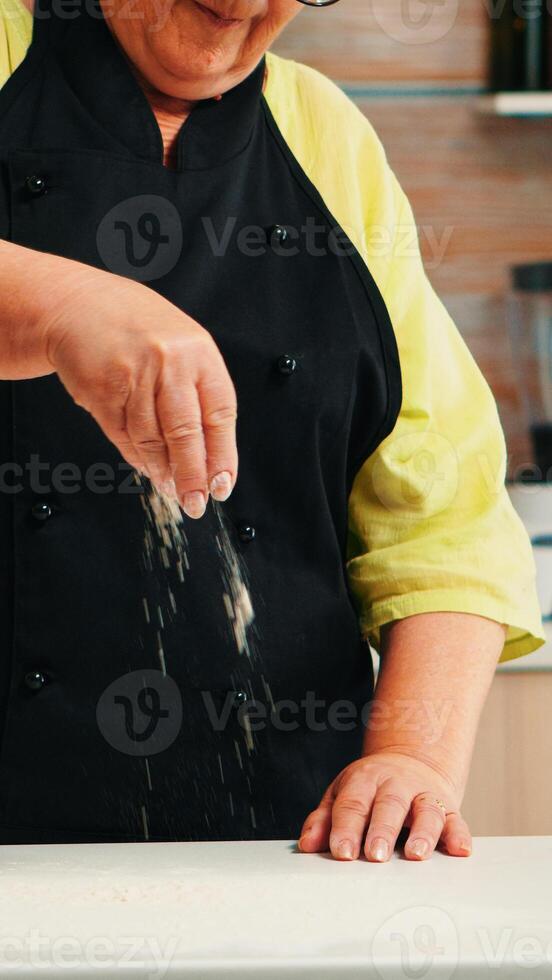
{"x":240,"y":697}
{"x":247,"y":533}
{"x":41,"y":511}
{"x":36,"y":185}
{"x":35,"y":680}
{"x":277,"y":235}
{"x":286,"y":364}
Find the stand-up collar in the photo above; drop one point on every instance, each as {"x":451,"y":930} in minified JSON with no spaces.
{"x":105,"y":85}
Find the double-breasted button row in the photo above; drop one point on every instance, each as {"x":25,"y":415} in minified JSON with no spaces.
{"x":239,"y":698}
{"x":277,"y":235}
{"x":41,"y":511}
{"x":286,"y":364}
{"x":35,"y":680}
{"x":36,"y":185}
{"x":246,"y":533}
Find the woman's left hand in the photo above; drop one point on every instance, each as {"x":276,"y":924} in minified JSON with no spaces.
{"x":370,"y":802}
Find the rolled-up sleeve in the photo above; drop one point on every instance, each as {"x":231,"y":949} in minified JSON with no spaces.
{"x":432,"y":528}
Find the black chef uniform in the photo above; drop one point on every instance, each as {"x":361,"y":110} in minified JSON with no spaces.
{"x":308,"y":342}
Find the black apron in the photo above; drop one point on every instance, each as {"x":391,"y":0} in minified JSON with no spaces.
{"x":97,"y":742}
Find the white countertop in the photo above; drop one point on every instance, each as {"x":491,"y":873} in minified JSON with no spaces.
{"x":263,"y":911}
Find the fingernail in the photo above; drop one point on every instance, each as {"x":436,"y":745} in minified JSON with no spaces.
{"x":419,"y":848}
{"x":221,"y":486}
{"x":194,"y":504}
{"x":379,"y":850}
{"x":306,"y":833}
{"x":465,"y":847}
{"x":344,"y":850}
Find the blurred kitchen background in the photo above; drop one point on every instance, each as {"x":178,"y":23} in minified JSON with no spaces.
{"x":460,"y":92}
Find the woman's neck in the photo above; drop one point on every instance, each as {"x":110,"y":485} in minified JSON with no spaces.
{"x":171,"y":114}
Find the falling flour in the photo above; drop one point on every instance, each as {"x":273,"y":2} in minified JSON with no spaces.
{"x":166,"y":548}
{"x":164,"y":535}
{"x":236,"y":597}
{"x":165,"y":540}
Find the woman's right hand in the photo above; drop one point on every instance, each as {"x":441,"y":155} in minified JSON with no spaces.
{"x":152,"y":378}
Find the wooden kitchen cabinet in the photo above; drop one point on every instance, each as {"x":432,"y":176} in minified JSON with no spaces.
{"x":510,"y":786}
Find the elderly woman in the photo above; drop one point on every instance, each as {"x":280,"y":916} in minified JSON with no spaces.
{"x":195,"y":230}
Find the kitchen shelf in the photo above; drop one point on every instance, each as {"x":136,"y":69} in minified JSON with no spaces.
{"x":411,"y":90}
{"x":516,"y":104}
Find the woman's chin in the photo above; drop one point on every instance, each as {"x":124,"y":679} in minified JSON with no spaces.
{"x":199,"y":72}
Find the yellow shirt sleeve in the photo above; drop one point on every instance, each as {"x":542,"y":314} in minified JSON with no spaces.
{"x":431,"y":524}
{"x":16,"y":26}
{"x":432,"y":528}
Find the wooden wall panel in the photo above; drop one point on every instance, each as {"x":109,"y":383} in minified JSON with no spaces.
{"x":510,"y":790}
{"x":484,"y":183}
{"x":370,"y":40}
{"x":484,"y":186}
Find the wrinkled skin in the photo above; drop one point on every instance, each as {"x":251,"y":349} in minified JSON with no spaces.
{"x":183,"y":52}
